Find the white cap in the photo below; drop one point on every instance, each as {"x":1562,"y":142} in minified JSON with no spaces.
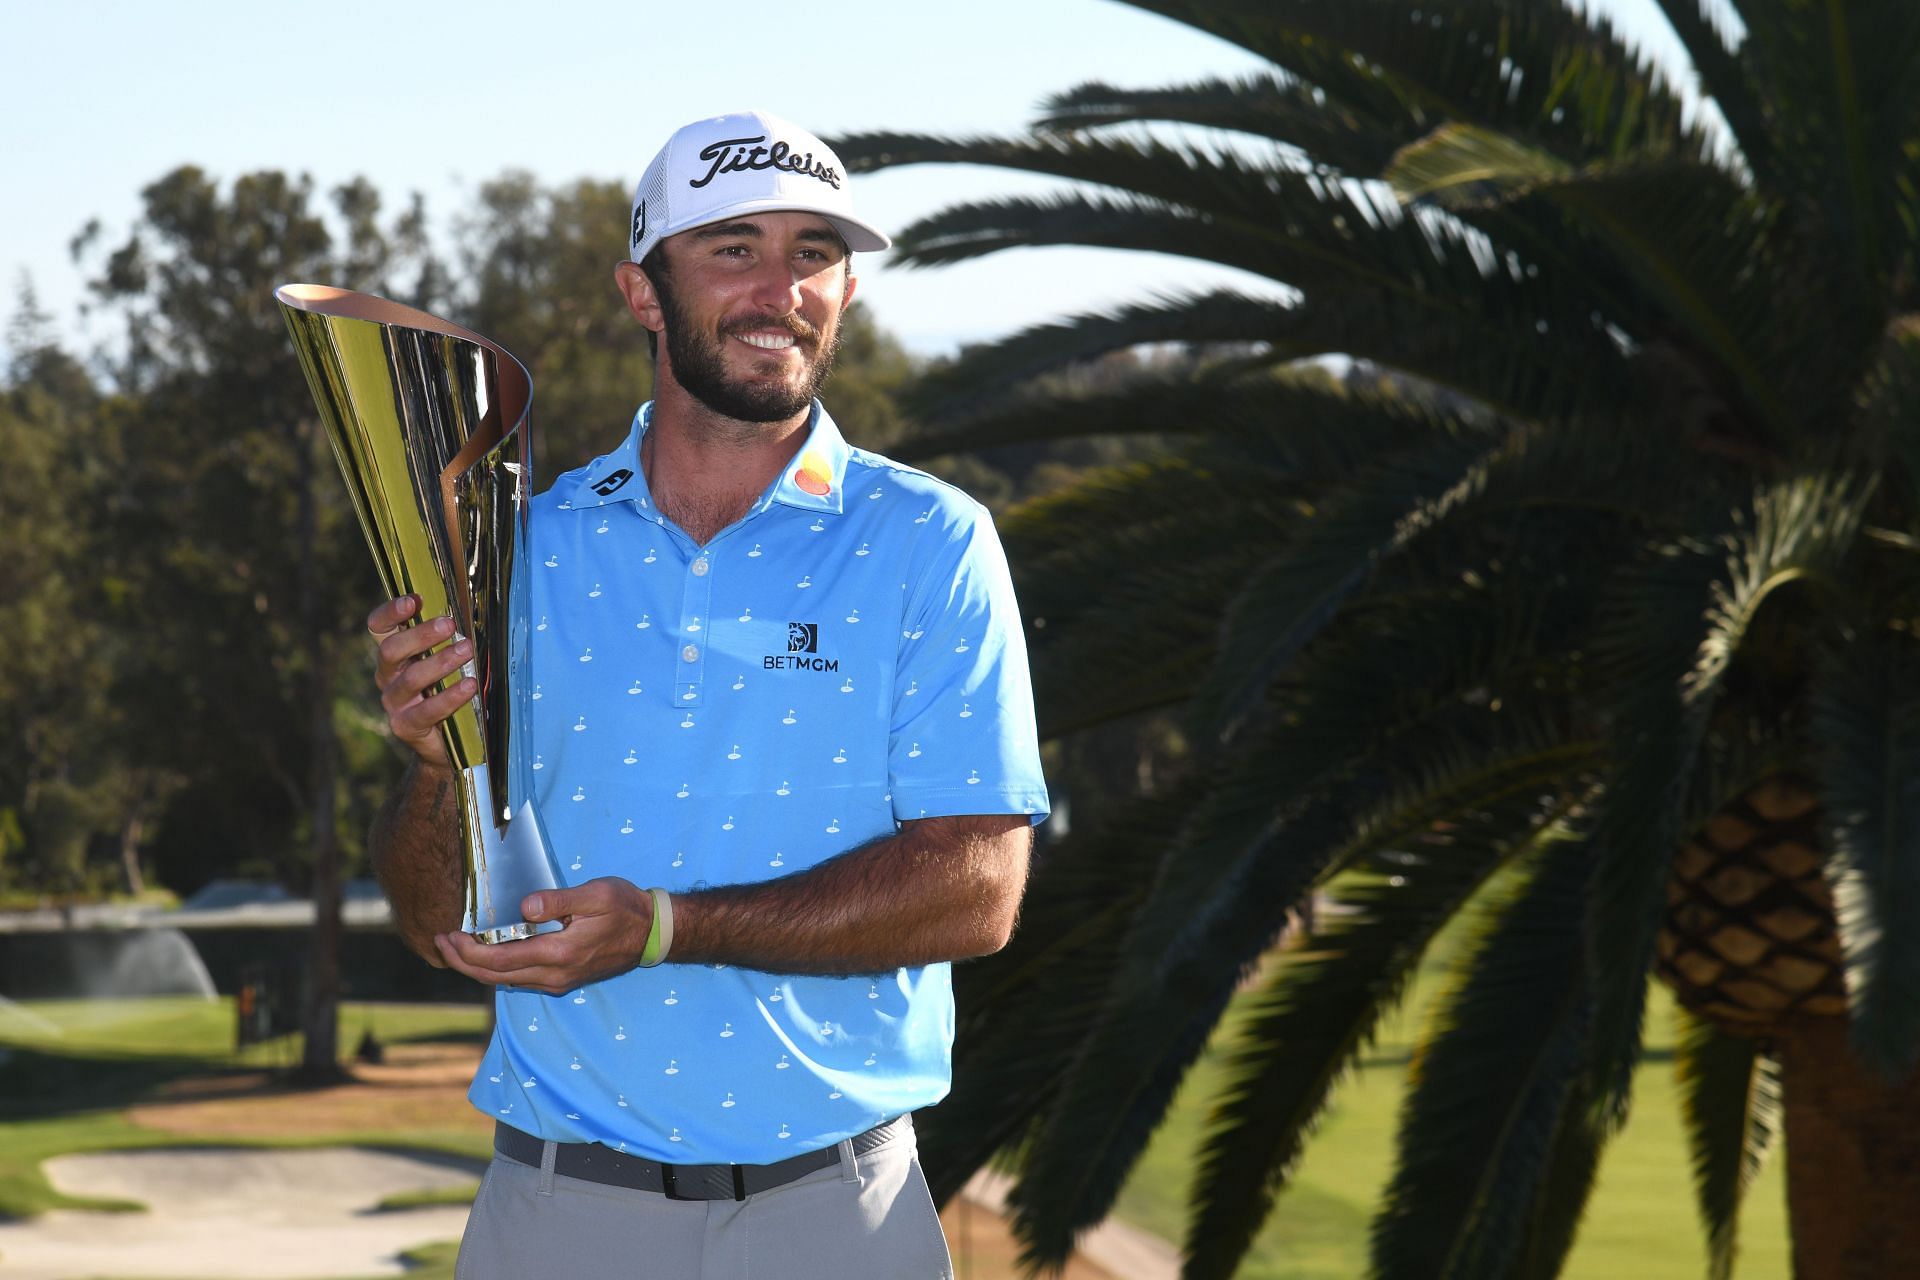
{"x":739,"y":165}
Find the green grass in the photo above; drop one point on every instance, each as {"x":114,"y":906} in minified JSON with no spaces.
{"x":1640,"y":1222}
{"x":442,"y":1196}
{"x":69,"y":1069}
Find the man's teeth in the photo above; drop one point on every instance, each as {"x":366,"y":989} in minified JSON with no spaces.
{"x":770,"y":341}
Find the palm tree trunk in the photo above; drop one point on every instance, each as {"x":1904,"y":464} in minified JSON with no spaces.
{"x":1853,"y":1159}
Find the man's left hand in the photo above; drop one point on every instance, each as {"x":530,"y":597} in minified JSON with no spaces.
{"x":606,"y":928}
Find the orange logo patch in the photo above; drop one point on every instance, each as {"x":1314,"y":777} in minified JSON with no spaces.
{"x":814,"y":476}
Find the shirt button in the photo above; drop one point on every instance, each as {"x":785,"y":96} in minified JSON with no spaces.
{"x":700,"y":568}
{"x":690,"y":654}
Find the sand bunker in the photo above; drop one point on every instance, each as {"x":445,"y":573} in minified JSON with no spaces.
{"x":242,"y":1213}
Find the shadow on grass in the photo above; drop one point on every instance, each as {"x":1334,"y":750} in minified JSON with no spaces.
{"x":478,"y":1037}
{"x":36,"y":1084}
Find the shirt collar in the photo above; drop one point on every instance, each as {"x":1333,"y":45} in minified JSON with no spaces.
{"x":617,"y":476}
{"x":815,"y":480}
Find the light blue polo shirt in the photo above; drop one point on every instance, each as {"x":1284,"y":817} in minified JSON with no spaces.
{"x":846,"y":657}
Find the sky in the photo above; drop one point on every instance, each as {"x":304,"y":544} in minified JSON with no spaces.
{"x":101,"y":97}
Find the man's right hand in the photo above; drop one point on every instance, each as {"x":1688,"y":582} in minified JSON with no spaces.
{"x":407,"y":671}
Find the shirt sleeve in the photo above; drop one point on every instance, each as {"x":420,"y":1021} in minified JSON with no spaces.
{"x":963,"y":737}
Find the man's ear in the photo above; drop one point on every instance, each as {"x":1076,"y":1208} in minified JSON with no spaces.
{"x":642,"y":300}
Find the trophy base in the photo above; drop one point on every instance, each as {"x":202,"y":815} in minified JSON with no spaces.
{"x":513,"y":932}
{"x":512,"y":862}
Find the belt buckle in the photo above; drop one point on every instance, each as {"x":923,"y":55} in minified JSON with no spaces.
{"x":670,"y":1186}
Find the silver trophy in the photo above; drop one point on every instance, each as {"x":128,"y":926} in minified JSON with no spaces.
{"x":431,"y":426}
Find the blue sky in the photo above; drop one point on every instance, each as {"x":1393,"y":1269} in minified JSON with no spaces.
{"x":103,"y":97}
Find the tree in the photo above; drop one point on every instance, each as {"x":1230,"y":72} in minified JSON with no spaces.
{"x":229,"y":517}
{"x":537,"y":277}
{"x":1586,"y":612}
{"x":65,"y":783}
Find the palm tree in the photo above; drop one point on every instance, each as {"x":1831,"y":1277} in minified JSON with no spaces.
{"x":1587,"y":607}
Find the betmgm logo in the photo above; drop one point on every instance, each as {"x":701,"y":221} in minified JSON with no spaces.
{"x":803,"y":651}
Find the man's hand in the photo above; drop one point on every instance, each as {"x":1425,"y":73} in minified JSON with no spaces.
{"x":407,"y":670}
{"x":606,"y":927}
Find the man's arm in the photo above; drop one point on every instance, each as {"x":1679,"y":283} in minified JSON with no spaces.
{"x":416,"y":857}
{"x":939,"y":889}
{"x":415,"y":839}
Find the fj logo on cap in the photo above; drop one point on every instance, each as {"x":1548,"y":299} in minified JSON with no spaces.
{"x":639,"y":222}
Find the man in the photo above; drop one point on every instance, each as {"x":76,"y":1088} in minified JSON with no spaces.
{"x":787,"y":761}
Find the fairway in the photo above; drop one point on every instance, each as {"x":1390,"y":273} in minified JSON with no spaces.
{"x":156,"y":1082}
{"x":1641,"y":1221}
{"x":71,"y":1069}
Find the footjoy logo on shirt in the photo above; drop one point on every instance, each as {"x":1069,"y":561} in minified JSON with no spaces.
{"x":803,"y":644}
{"x":612,"y":482}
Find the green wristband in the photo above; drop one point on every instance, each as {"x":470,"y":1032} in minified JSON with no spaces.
{"x":659,"y":932}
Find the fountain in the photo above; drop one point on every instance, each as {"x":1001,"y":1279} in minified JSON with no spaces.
{"x":97,"y":963}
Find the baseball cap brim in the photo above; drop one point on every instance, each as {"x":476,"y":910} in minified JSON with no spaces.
{"x":861,"y":237}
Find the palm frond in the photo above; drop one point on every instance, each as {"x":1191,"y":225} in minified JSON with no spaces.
{"x":964,"y":231}
{"x":1352,"y":129}
{"x":1687,"y":234}
{"x":1318,"y":1012}
{"x":1490,"y":1085}
{"x":1467,"y":497}
{"x":1218,"y":902}
{"x":988,"y":372}
{"x":1025,"y":1011}
{"x":1463,"y":164}
{"x":1501,"y":361}
{"x":1866,"y":711}
{"x":1298,"y":228}
{"x":1294,"y":596}
{"x":1565,"y":1183}
{"x":1725,"y":77}
{"x":1539,"y":70}
{"x":1838,"y":83}
{"x":1279,"y":414}
{"x":1890,"y":408}
{"x":1130,"y":570}
{"x":1381,"y":283}
{"x":1730,"y":1102}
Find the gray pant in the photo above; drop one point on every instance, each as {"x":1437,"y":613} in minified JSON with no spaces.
{"x":868,"y":1218}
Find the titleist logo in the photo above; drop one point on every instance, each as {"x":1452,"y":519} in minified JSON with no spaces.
{"x":738,"y":155}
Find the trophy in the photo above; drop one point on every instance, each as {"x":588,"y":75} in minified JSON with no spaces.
{"x":430,"y":425}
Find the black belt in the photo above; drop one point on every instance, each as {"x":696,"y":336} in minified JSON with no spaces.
{"x":594,"y":1163}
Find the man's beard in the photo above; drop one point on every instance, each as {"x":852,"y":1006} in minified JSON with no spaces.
{"x":699,"y":366}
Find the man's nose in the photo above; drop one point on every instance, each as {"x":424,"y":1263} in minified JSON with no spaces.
{"x":776,"y":290}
